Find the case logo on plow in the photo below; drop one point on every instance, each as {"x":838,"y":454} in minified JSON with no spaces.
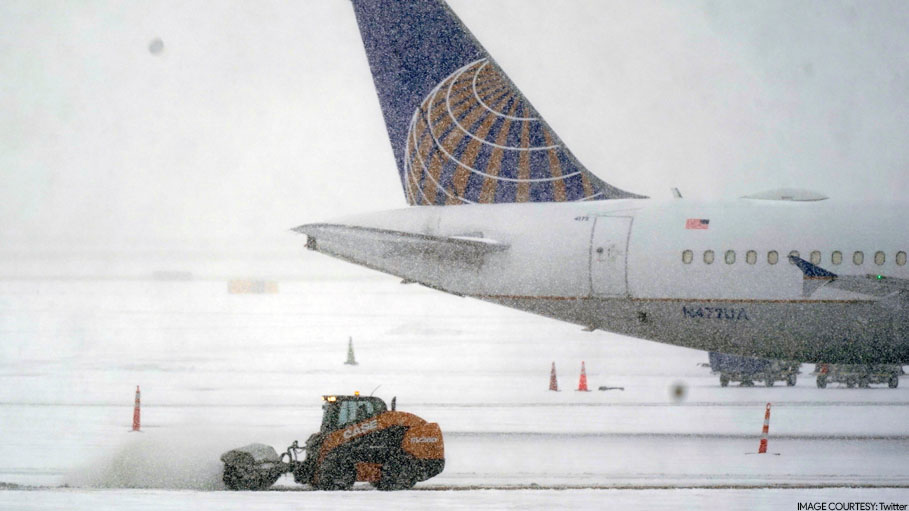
{"x":361,"y":429}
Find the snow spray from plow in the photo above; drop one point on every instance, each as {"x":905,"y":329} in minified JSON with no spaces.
{"x":180,"y":457}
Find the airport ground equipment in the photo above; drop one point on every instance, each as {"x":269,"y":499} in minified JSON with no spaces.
{"x":360,"y":440}
{"x":747,"y":370}
{"x":862,"y":375}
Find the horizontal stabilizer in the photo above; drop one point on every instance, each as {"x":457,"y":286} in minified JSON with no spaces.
{"x":816,"y":277}
{"x":469,"y":249}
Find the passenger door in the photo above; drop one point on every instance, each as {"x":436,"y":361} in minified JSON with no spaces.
{"x":608,"y":256}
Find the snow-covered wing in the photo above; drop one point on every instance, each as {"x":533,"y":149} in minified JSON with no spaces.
{"x":816,"y":277}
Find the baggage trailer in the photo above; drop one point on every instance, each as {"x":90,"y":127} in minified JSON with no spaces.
{"x":862,"y":375}
{"x":747,"y":370}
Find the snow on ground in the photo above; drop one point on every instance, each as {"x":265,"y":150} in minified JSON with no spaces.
{"x":220,"y":370}
{"x":650,"y":499}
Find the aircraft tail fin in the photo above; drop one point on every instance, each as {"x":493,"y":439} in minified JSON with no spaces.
{"x":460,"y":130}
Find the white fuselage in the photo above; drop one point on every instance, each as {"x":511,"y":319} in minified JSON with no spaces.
{"x":634,"y":267}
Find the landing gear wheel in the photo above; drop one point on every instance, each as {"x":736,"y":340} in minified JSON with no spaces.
{"x":790,"y":380}
{"x":822,"y":381}
{"x":893,"y":382}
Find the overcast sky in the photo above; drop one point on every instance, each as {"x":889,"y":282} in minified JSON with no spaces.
{"x":259,"y":116}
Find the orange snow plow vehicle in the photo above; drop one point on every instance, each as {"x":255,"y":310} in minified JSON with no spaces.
{"x":360,"y":440}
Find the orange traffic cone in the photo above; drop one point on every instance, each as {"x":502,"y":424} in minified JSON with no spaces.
{"x":553,"y":382}
{"x":762,"y":448}
{"x":582,"y":383}
{"x":136,"y":421}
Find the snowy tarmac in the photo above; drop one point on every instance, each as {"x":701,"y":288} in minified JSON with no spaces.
{"x":219,"y":370}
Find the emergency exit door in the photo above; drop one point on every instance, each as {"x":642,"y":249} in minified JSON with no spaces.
{"x":608,"y":256}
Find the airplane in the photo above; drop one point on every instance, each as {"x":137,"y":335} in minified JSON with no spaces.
{"x":500,"y":210}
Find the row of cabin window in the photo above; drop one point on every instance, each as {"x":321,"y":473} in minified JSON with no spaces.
{"x":773,"y":257}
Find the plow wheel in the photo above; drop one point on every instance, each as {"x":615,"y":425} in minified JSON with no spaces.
{"x":396,"y":475}
{"x":338,"y":477}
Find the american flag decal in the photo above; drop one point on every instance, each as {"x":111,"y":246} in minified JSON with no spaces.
{"x":697,"y":223}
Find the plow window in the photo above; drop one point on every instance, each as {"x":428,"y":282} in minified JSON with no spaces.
{"x":348,"y":413}
{"x":355,"y":411}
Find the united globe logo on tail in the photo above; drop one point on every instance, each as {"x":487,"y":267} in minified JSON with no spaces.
{"x":474,"y":139}
{"x":462,"y":133}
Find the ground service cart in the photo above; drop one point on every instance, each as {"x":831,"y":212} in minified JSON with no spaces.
{"x":747,"y":370}
{"x":862,"y":375}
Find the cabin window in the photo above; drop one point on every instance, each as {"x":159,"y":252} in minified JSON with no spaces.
{"x":751,"y":257}
{"x":815,"y":257}
{"x":348,"y":412}
{"x":879,"y":258}
{"x":858,"y":257}
{"x":773,"y":257}
{"x":730,"y":256}
{"x":708,"y":256}
{"x":365,"y":410}
{"x":794,"y":253}
{"x":687,"y":256}
{"x":901,"y":258}
{"x":836,"y":257}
